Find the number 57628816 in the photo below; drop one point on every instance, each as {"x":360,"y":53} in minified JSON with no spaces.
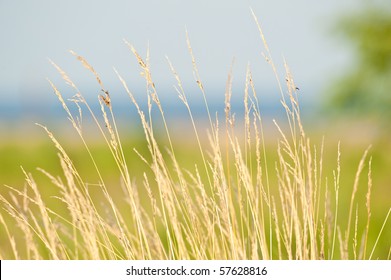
{"x":242,"y":270}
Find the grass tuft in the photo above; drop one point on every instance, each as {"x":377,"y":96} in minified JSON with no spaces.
{"x":225,"y":206}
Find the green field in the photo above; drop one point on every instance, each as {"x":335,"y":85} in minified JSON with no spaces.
{"x":39,"y":152}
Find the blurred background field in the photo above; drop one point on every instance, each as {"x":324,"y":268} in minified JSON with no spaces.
{"x":355,"y":137}
{"x":340,"y":55}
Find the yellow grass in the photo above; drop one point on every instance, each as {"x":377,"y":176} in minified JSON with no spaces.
{"x":225,"y":207}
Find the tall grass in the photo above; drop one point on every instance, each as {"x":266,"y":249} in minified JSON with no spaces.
{"x":225,"y":207}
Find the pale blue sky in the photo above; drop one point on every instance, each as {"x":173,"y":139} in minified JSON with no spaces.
{"x":32,"y":31}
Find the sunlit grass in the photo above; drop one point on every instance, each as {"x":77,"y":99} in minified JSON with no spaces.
{"x":229,"y":192}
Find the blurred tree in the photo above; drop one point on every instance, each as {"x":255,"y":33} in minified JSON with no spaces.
{"x":367,"y":88}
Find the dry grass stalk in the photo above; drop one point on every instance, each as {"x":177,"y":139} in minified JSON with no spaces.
{"x":228,"y":209}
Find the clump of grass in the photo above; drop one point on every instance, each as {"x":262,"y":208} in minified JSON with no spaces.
{"x":225,"y":207}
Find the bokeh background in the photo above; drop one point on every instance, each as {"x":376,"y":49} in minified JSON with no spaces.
{"x":338,"y":51}
{"x":304,"y":32}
